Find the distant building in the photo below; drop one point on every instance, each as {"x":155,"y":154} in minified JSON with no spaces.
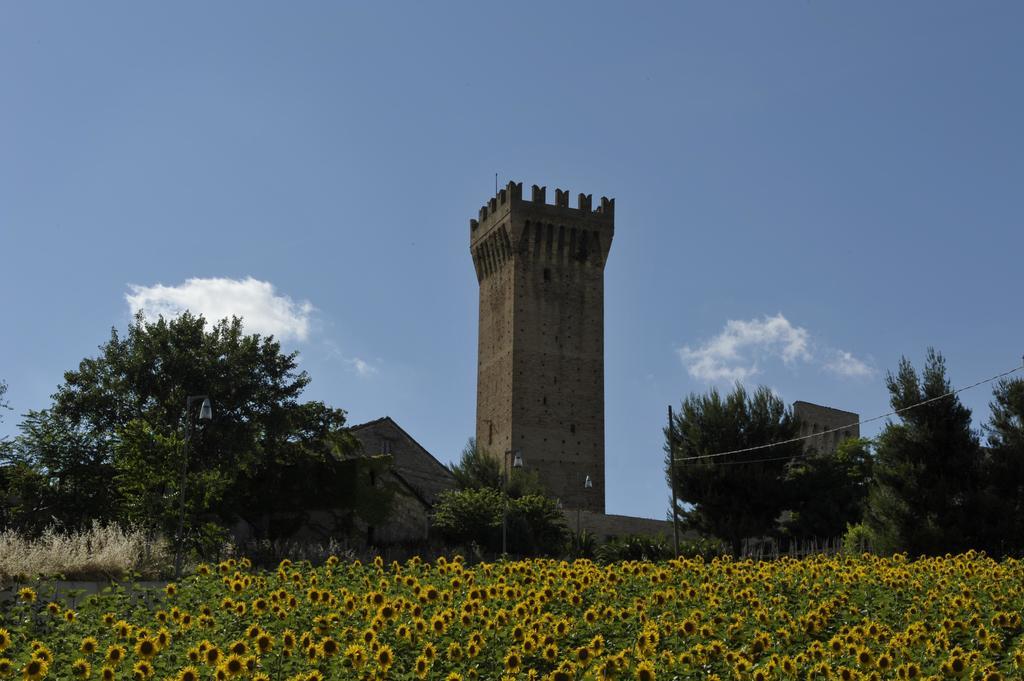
{"x":421,"y":478}
{"x":388,"y":459}
{"x":415,"y":474}
{"x":540,"y":368}
{"x":827,"y":426}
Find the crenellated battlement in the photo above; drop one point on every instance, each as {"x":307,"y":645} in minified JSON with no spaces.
{"x":511,"y":197}
{"x":510,"y":226}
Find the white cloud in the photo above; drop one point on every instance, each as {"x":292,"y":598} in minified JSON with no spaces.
{"x":262,"y":310}
{"x":361,"y":367}
{"x":734,"y":354}
{"x":844,"y":364}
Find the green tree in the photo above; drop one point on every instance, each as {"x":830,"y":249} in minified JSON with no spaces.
{"x":828,"y":490}
{"x":740,"y":495}
{"x":927,"y":472}
{"x":470,"y":516}
{"x":57,"y":472}
{"x":1003,"y":470}
{"x":536,"y":525}
{"x":4,"y":404}
{"x":113,"y":436}
{"x":24,"y":494}
{"x":477,"y":468}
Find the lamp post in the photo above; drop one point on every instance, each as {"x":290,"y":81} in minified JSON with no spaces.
{"x":587,"y":484}
{"x":517,"y":462}
{"x":205,"y":414}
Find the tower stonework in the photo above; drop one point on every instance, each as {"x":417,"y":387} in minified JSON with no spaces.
{"x":540,"y":363}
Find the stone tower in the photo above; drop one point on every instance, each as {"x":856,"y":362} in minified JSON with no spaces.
{"x":540,"y":363}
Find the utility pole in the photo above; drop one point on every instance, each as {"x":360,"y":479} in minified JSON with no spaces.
{"x":672,"y":482}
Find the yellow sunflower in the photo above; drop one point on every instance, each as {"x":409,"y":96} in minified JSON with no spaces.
{"x":115,"y":655}
{"x":80,"y":668}
{"x":188,"y":674}
{"x":644,"y":671}
{"x":35,"y":670}
{"x":513,"y":662}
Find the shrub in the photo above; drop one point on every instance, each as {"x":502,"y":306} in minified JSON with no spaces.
{"x":100,"y":552}
{"x":634,"y":547}
{"x":857,"y":540}
{"x":474,"y":516}
{"x":702,"y":547}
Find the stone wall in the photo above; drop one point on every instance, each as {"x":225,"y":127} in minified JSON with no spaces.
{"x":606,"y":526}
{"x":817,"y":420}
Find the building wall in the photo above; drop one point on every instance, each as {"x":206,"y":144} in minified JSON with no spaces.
{"x":816,"y":419}
{"x":415,"y":474}
{"x":540,"y":382}
{"x":408,"y":519}
{"x":416,"y":467}
{"x":604,"y":526}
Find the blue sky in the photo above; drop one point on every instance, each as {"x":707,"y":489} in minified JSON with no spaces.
{"x":804,"y":191}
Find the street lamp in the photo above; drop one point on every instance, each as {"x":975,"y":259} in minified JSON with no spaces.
{"x":517,"y":462}
{"x":587,"y":484}
{"x":205,"y":415}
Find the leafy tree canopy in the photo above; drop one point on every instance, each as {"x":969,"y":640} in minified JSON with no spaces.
{"x":473,"y":516}
{"x":1003,"y":470}
{"x":477,"y":468}
{"x":111,"y":443}
{"x":1005,"y":427}
{"x":928,"y":467}
{"x":3,"y":402}
{"x":740,"y":495}
{"x":828,"y":490}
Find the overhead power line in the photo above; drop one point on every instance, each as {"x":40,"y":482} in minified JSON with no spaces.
{"x":894,"y":412}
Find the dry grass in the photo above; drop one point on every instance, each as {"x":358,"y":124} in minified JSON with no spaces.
{"x":102,"y":552}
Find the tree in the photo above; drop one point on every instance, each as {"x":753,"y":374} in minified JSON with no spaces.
{"x":472,"y":513}
{"x":740,"y":495}
{"x":59,"y":471}
{"x":1003,"y":470}
{"x":470,"y":516}
{"x":477,"y":468}
{"x":473,"y":516}
{"x":113,"y":436}
{"x":927,"y":473}
{"x":536,"y":526}
{"x":4,"y":404}
{"x":828,"y":490}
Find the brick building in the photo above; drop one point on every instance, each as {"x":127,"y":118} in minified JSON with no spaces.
{"x":540,"y":380}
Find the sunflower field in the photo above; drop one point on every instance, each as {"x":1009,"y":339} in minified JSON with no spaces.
{"x":815,"y":618}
